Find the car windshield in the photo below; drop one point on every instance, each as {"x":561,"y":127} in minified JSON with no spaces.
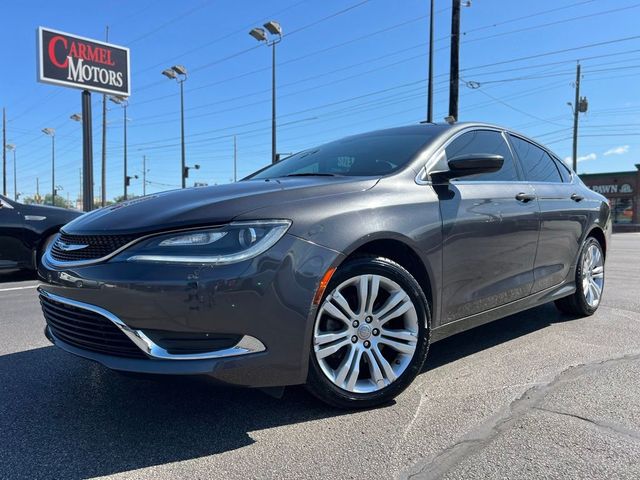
{"x":360,"y":155}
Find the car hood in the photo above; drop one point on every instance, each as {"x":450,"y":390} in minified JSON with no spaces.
{"x":205,"y":206}
{"x":48,"y":211}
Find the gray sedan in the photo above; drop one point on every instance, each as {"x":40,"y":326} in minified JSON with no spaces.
{"x":335,"y":268}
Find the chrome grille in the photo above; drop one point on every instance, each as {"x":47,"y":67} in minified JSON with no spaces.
{"x":97,"y":246}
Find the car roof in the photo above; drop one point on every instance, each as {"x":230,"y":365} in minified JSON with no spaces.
{"x":438,"y":127}
{"x":447,"y":129}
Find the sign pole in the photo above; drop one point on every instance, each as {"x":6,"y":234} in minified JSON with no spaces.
{"x":87,"y":153}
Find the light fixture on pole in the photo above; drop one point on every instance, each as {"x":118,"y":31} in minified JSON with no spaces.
{"x":12,"y":148}
{"x":179,"y":74}
{"x":52,"y":133}
{"x":274,"y":37}
{"x":185,"y":171}
{"x":124,"y":103}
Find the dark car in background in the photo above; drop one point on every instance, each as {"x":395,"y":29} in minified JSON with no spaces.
{"x":335,"y":267}
{"x":25,"y":231}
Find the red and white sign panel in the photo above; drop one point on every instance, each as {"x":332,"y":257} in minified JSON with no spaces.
{"x":78,"y":62}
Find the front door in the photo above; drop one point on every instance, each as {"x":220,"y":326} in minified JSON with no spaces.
{"x":490,"y":231}
{"x":13,"y":253}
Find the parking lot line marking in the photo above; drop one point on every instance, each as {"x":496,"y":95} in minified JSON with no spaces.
{"x":17,"y":288}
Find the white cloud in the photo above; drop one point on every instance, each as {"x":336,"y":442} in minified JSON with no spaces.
{"x":617,"y":150}
{"x":584,"y":158}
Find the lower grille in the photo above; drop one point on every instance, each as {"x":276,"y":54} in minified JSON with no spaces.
{"x":87,"y":330}
{"x":185,"y":343}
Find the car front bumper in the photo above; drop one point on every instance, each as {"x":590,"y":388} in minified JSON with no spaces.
{"x":267,"y":302}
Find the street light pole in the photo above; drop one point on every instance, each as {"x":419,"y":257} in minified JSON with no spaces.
{"x":124,"y":108}
{"x":123,"y":101}
{"x":273,"y":103}
{"x":275,"y":31}
{"x":182,"y":153}
{"x":179,"y":74}
{"x":430,"y":81}
{"x":15,"y":177}
{"x":52,"y":133}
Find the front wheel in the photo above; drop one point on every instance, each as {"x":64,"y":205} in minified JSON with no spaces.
{"x":589,"y":281}
{"x":39,"y":252}
{"x":371,"y":334}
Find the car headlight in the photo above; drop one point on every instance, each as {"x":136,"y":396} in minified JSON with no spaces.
{"x":232,"y":243}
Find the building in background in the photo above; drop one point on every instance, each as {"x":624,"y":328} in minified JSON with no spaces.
{"x":622,"y":189}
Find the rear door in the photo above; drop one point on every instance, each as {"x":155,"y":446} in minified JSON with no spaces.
{"x":490,"y":231}
{"x":562,"y":218}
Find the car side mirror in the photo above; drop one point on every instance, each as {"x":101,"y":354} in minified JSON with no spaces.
{"x":472,"y":164}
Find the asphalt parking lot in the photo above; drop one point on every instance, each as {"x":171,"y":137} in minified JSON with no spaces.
{"x":535,"y":395}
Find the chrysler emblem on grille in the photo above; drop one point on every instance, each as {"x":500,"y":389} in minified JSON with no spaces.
{"x":68,"y":247}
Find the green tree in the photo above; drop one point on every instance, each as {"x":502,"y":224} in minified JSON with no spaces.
{"x":120,"y":198}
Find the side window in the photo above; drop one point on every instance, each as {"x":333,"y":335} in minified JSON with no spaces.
{"x":538,"y":166}
{"x":565,"y":173}
{"x":485,"y":141}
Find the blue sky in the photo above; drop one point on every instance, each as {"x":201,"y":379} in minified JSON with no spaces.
{"x":341,"y":70}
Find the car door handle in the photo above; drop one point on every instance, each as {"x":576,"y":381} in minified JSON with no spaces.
{"x":576,"y":198}
{"x":525,"y":197}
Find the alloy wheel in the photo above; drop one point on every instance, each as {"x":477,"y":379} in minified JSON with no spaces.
{"x":366,"y":333}
{"x":592,"y":275}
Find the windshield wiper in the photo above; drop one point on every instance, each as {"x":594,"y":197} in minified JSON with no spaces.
{"x":311,"y":174}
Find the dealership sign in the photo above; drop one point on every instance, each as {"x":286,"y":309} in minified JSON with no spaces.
{"x":612,"y":188}
{"x":72,"y":61}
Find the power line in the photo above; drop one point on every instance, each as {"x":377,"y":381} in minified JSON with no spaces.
{"x":554,"y":52}
{"x":219,"y":39}
{"x":557,"y":22}
{"x":169,"y":22}
{"x":524,"y":17}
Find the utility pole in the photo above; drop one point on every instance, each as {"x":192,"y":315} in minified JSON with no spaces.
{"x":454,"y":74}
{"x":430,"y":81}
{"x":144,"y":175}
{"x":235,"y":160}
{"x":576,"y":110}
{"x":4,"y":152}
{"x":103,"y":191}
{"x":37,"y":190}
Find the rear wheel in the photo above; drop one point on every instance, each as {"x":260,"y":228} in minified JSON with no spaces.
{"x":589,"y":281}
{"x":371,"y":334}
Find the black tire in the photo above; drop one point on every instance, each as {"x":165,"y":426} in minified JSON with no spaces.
{"x":323,"y":388}
{"x":37,"y":261}
{"x":576,"y":303}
